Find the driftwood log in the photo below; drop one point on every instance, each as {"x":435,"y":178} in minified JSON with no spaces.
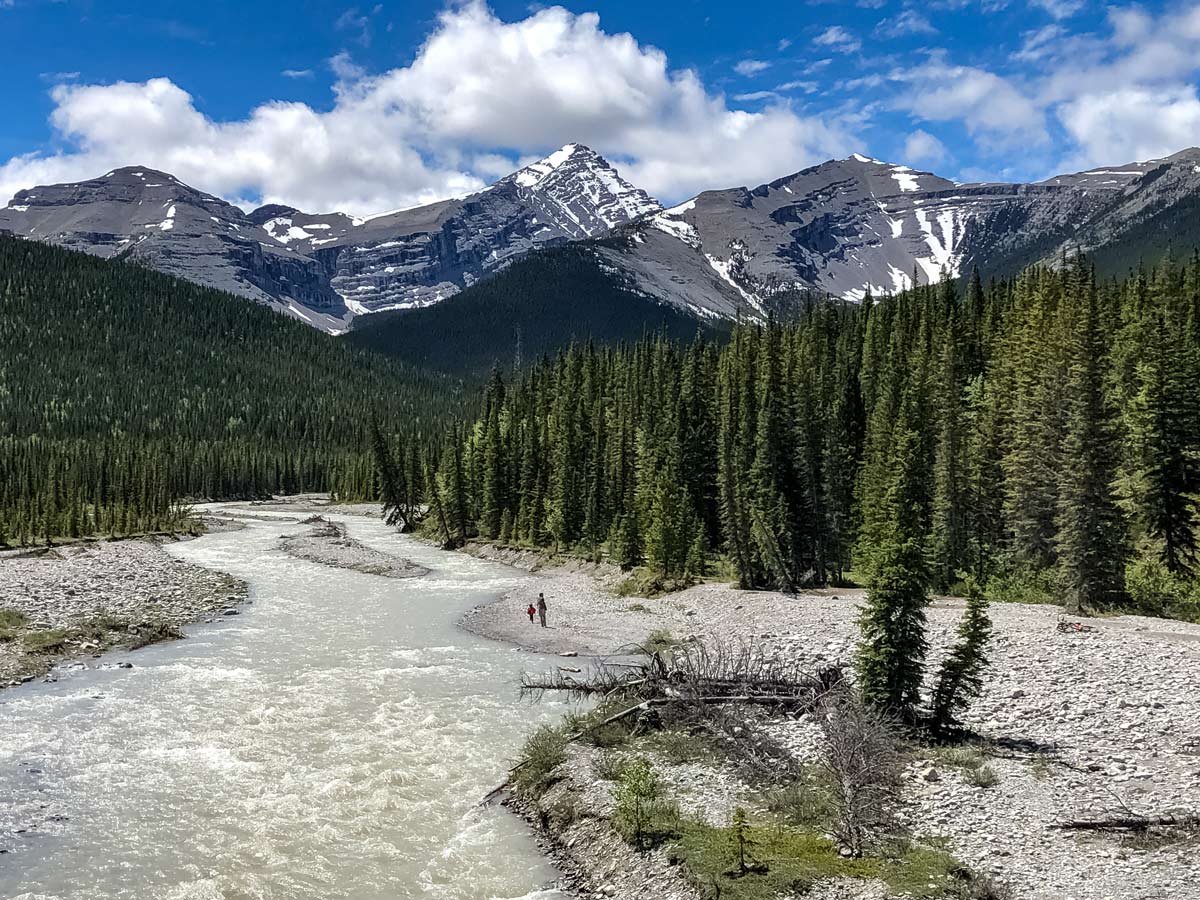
{"x":1132,"y":823}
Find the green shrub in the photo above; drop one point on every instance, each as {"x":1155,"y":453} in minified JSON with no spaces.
{"x":1022,"y":584}
{"x":11,"y":623}
{"x":660,"y":640}
{"x":983,"y":777}
{"x":644,"y":817}
{"x":544,"y":751}
{"x":614,"y":734}
{"x":1155,"y":591}
{"x":609,"y":766}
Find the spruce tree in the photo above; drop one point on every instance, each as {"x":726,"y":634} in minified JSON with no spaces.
{"x":1090,"y":540}
{"x":960,"y":678}
{"x":892,"y":646}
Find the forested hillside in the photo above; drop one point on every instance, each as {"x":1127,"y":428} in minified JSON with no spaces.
{"x":1040,"y":435}
{"x":123,"y":390}
{"x":535,"y":307}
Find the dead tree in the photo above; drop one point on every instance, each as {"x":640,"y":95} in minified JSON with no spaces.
{"x":864,"y":765}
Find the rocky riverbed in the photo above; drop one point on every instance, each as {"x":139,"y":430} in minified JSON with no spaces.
{"x":72,"y":603}
{"x":329,"y":543}
{"x":1072,"y":724}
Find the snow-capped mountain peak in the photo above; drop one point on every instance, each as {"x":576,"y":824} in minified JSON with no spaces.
{"x":579,"y":191}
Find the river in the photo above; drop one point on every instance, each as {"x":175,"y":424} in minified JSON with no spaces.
{"x":331,"y":741}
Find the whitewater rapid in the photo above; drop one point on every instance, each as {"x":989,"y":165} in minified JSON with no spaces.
{"x":330,"y":741}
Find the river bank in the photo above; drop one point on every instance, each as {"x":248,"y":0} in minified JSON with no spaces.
{"x":1072,"y":724}
{"x":69,"y":605}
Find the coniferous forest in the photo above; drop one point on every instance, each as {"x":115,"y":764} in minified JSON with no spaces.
{"x":124,"y":392}
{"x":1038,"y":437}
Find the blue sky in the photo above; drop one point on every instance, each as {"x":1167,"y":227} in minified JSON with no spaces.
{"x":331,"y":105}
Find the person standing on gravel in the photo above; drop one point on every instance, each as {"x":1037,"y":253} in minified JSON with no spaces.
{"x":541,"y":607}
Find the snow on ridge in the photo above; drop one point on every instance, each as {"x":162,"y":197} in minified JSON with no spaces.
{"x":906,"y":178}
{"x":867,"y":159}
{"x":722,"y":267}
{"x":534,"y":173}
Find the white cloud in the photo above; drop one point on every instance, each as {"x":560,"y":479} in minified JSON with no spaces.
{"x":1131,"y":124}
{"x":1059,"y":9}
{"x":907,"y":22}
{"x":989,"y":106}
{"x":479,"y":90}
{"x":1040,"y":43}
{"x":297,"y":73}
{"x":923,"y":147}
{"x":838,"y":38}
{"x":753,"y":96}
{"x":751,"y":66}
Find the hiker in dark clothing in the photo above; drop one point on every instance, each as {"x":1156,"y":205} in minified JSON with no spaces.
{"x":541,"y":607}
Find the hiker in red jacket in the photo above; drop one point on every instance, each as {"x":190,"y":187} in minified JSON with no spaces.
{"x":531,"y":611}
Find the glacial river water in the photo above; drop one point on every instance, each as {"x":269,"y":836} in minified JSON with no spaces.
{"x":331,"y":741}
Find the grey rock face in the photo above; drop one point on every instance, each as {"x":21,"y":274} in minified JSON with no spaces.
{"x":842,"y":228}
{"x":150,"y":216}
{"x":850,"y":225}
{"x":327,"y":268}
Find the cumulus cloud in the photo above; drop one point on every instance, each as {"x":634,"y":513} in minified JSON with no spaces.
{"x":478,"y":91}
{"x":923,"y":147}
{"x":1131,"y":124}
{"x":988,"y":105}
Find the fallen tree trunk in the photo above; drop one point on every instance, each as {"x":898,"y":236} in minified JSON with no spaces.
{"x":1131,"y":823}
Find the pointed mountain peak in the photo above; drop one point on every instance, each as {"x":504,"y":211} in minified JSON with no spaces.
{"x":574,"y":155}
{"x":861,"y":158}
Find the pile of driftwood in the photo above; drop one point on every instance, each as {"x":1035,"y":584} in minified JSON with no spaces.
{"x":681,"y":679}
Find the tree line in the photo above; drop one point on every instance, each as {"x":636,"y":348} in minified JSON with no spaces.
{"x":125,"y":392}
{"x":1040,"y":435}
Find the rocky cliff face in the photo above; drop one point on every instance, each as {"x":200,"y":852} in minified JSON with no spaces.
{"x":843,"y":227}
{"x":858,"y":224}
{"x":328,"y":268}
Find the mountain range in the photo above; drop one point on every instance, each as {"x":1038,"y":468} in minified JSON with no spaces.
{"x":839,"y":228}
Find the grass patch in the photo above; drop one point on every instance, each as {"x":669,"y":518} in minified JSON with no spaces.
{"x":783,"y":861}
{"x":48,"y":640}
{"x":544,"y":751}
{"x":806,"y":802}
{"x":971,"y":761}
{"x":983,"y":777}
{"x":679,"y":747}
{"x":638,"y":607}
{"x":11,"y":623}
{"x":791,"y":861}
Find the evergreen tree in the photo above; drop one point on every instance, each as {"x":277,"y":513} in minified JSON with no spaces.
{"x":960,"y":678}
{"x":1090,"y":539}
